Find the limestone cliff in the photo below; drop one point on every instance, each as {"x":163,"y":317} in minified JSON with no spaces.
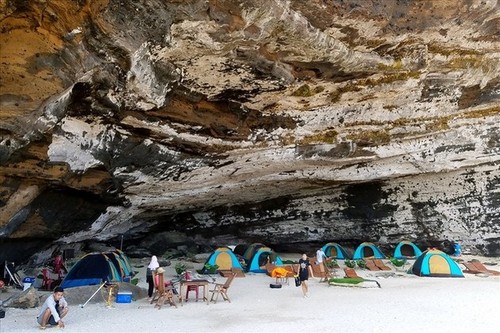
{"x":282,"y":122}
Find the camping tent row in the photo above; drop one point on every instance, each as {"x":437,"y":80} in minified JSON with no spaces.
{"x":430,"y":263}
{"x":97,"y":267}
{"x":404,"y":249}
{"x":255,"y":256}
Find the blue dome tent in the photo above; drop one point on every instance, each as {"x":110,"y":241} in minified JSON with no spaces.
{"x":436,"y":263}
{"x":406,"y":249}
{"x":334,"y":250}
{"x":260,"y":259}
{"x":92,"y":269}
{"x":367,"y":249}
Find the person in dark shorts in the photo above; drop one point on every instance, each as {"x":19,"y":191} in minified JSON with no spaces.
{"x":304,"y":269}
{"x":53,"y":309}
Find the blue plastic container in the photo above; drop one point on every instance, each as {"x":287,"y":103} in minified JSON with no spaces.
{"x":124,"y":297}
{"x":27,"y":282}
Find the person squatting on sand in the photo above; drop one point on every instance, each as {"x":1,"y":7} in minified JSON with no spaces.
{"x":53,"y":309}
{"x":153,"y":265}
{"x":304,"y":267}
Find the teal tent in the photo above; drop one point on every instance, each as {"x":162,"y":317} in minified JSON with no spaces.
{"x":240,"y":249}
{"x":250,"y":251}
{"x":406,"y":249}
{"x":121,"y":262}
{"x":436,"y":263}
{"x":365,"y":250}
{"x":224,"y":258}
{"x":261,"y":258}
{"x":334,"y":250}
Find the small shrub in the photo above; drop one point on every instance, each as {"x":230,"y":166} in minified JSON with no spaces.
{"x":370,"y":138}
{"x":361,"y":263}
{"x":398,"y":262}
{"x":350,"y":263}
{"x":210,"y":269}
{"x":332,"y":264}
{"x":329,"y":136}
{"x":303,"y":91}
{"x":180,"y":268}
{"x":306,"y":91}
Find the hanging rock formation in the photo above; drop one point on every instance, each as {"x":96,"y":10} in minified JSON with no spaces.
{"x":222,"y":122}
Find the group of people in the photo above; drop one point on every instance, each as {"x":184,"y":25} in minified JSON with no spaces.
{"x":304,"y":271}
{"x":55,"y":307}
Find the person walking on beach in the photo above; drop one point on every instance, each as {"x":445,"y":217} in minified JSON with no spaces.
{"x":53,"y":310}
{"x":304,"y":267}
{"x":153,"y":265}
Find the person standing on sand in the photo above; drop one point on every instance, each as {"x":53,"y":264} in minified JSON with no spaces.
{"x":321,"y":258}
{"x":153,"y":265}
{"x":304,"y":267}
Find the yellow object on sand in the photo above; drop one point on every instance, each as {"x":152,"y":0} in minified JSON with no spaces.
{"x":279,"y":272}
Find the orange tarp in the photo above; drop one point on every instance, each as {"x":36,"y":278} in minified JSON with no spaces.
{"x":279,"y":272}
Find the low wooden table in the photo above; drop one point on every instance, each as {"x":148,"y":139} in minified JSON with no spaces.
{"x":196,"y":283}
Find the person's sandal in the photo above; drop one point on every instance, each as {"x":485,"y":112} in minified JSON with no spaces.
{"x":42,"y":327}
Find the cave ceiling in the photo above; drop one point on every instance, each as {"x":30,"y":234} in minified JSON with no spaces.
{"x":237,"y":121}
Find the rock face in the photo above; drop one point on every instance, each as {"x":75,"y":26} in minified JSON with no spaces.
{"x":222,"y":122}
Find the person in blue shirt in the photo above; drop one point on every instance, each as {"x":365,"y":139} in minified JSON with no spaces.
{"x":53,"y":309}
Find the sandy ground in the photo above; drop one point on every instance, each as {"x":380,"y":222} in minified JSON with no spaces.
{"x":405,"y":303}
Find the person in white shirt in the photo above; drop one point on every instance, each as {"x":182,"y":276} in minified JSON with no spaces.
{"x":53,"y":309}
{"x":320,"y":258}
{"x":153,"y":265}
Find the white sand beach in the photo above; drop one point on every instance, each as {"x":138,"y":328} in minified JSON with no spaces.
{"x":405,"y":303}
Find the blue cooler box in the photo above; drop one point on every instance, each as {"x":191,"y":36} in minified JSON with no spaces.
{"x":124,"y":297}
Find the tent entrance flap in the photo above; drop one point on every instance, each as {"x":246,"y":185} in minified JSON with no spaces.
{"x":439,"y":265}
{"x":368,"y":252}
{"x":224,"y":261}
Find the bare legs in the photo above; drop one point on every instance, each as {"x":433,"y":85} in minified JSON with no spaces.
{"x":305,"y":288}
{"x":63,"y":312}
{"x":46,"y":315}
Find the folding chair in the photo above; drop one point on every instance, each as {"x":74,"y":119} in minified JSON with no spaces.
{"x":221,"y":289}
{"x":163,"y":293}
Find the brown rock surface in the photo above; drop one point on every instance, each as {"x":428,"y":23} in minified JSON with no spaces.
{"x":284,"y":122}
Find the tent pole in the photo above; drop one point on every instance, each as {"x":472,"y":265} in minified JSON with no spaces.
{"x":102,"y":285}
